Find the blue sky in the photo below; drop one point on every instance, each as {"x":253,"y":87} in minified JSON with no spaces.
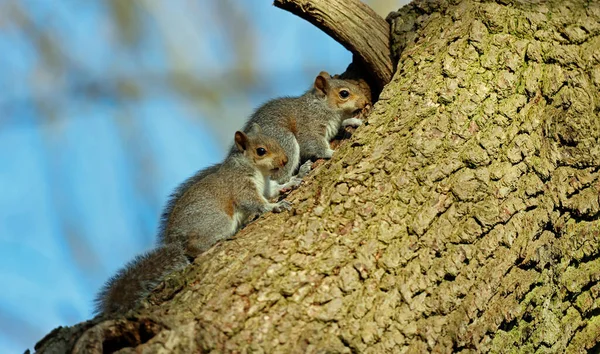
{"x":84,"y":169}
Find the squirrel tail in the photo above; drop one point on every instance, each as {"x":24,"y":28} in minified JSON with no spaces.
{"x":138,"y":278}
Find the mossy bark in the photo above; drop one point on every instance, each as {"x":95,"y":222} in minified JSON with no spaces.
{"x":465,"y":217}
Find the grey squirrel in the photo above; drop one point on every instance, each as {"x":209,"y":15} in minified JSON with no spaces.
{"x":213,"y":204}
{"x":138,"y":278}
{"x":208,"y":207}
{"x":304,"y":125}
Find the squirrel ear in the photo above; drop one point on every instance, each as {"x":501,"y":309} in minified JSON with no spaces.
{"x":321,"y":84}
{"x":241,"y":141}
{"x":254,"y":129}
{"x":325,"y":74}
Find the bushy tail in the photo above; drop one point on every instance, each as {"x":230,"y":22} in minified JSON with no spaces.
{"x":138,"y":278}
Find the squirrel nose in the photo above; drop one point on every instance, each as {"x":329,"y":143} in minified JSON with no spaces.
{"x":284,"y":161}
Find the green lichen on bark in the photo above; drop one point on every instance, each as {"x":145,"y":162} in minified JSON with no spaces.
{"x":463,"y":218}
{"x":524,"y":121}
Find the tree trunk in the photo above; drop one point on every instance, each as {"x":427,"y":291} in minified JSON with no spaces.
{"x":464,"y":217}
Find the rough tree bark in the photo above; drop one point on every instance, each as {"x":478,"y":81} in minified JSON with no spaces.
{"x":464,"y":217}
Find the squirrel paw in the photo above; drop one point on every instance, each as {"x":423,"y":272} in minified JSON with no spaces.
{"x":327,"y":154}
{"x":304,"y":169}
{"x":294,"y":182}
{"x":352,"y":122}
{"x":281,"y":206}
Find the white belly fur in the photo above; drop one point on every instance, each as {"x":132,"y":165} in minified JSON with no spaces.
{"x":262,"y":183}
{"x":296,"y":161}
{"x":332,"y":128}
{"x":238,"y":219}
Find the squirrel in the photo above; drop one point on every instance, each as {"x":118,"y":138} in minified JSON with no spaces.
{"x":304,"y":125}
{"x":138,"y":278}
{"x":209,"y":207}
{"x":213,"y":205}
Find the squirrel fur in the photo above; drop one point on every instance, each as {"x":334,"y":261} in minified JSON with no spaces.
{"x":304,"y":125}
{"x":209,"y":207}
{"x":213,"y":206}
{"x":138,"y":278}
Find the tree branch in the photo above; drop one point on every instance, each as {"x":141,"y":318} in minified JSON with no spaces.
{"x":354,"y":25}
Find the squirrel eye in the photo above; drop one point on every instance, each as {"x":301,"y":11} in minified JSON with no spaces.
{"x":344,"y":94}
{"x":261,"y":151}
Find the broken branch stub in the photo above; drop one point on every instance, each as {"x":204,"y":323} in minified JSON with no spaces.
{"x":354,"y":25}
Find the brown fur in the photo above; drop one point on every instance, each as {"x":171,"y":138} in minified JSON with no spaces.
{"x":229,"y":206}
{"x":292,"y":126}
{"x":355,"y":101}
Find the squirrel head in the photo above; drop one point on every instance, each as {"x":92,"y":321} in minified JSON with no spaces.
{"x":341,"y":95}
{"x":263,"y":151}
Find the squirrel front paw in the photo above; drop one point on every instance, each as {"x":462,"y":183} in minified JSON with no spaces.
{"x":352,"y":122}
{"x":327,"y":154}
{"x":281,"y":206}
{"x":294,"y":182}
{"x":304,"y":169}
